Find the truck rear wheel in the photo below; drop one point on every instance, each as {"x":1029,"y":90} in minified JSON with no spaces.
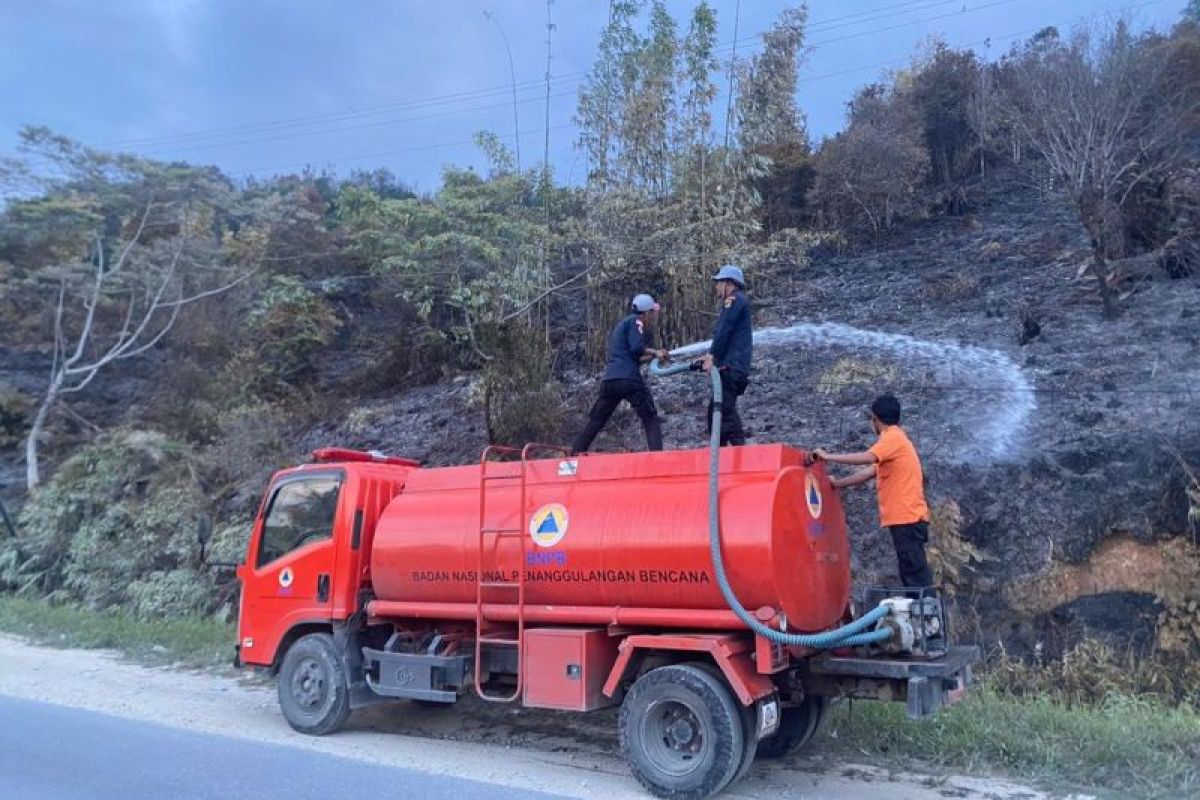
{"x":313,"y":691}
{"x":681,"y":731}
{"x":749,"y":725}
{"x":797,"y":726}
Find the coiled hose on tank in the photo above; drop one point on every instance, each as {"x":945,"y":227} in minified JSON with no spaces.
{"x":853,"y":634}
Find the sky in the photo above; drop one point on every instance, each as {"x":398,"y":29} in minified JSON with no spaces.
{"x":262,"y":87}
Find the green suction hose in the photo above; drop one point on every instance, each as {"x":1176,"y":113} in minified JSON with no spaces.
{"x":850,"y":635}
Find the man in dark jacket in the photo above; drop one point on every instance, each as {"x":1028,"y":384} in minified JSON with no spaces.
{"x":628,"y":348}
{"x":732,"y":342}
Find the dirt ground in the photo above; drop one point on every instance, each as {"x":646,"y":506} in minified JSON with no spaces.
{"x":570,"y":755}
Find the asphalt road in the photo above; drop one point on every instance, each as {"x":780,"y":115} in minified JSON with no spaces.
{"x":50,"y":752}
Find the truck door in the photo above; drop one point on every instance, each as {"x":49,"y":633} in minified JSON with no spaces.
{"x":289,"y":572}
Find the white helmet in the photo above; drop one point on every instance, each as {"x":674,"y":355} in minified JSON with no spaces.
{"x":731,"y":273}
{"x":643,"y":303}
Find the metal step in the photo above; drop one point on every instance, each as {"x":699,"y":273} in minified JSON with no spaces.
{"x":500,"y":585}
{"x":493,"y":640}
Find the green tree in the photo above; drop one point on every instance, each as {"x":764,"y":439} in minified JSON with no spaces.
{"x":648,"y":116}
{"x":288,"y":325}
{"x":942,"y":88}
{"x":464,"y":260}
{"x":698,"y":63}
{"x":770,"y":124}
{"x":767,"y":113}
{"x":659,"y":218}
{"x":607,"y":90}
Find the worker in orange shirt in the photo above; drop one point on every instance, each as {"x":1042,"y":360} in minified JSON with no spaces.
{"x":892,"y":461}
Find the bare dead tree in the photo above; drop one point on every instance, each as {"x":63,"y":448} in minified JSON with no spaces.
{"x":151,"y":307}
{"x":1105,"y":119}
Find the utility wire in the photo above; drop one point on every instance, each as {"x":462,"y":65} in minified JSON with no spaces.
{"x":398,"y":151}
{"x":531,"y":84}
{"x":546,"y":82}
{"x":351,"y":128}
{"x":802,"y":80}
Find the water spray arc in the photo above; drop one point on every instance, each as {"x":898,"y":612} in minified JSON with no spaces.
{"x":996,"y":437}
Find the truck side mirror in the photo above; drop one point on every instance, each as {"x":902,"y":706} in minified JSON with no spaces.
{"x":204,"y":531}
{"x":7,"y":520}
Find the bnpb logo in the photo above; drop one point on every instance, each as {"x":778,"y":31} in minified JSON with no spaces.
{"x":548,"y":525}
{"x":812,"y":496}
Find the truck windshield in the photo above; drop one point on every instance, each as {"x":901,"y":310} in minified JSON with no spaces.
{"x":301,"y":512}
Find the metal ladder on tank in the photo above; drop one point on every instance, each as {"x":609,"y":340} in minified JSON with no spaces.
{"x":483,"y":583}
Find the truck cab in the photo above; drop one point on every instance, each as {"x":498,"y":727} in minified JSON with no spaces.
{"x":306,"y":561}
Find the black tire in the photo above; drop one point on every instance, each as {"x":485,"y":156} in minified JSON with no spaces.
{"x":681,"y":732}
{"x":749,"y":725}
{"x":797,"y":726}
{"x":313,"y":691}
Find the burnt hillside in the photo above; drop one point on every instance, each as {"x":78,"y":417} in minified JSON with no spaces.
{"x":1088,"y":479}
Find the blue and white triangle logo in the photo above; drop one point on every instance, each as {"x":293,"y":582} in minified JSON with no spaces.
{"x":812,"y":496}
{"x":548,"y":525}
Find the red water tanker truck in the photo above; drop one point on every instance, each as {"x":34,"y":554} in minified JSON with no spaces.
{"x":709,"y":596}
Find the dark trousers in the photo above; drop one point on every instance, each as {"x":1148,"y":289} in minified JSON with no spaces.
{"x":910,"y":553}
{"x":612,"y":392}
{"x":733,"y":386}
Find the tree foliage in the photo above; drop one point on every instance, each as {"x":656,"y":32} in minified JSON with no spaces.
{"x":868,"y":176}
{"x":464,"y":260}
{"x":664,"y":205}
{"x":942,"y":90}
{"x":767,"y":114}
{"x":119,"y":516}
{"x":114,"y":247}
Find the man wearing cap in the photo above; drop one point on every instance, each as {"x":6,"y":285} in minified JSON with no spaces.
{"x":730,"y":351}
{"x":628,"y":348}
{"x":894,"y":464}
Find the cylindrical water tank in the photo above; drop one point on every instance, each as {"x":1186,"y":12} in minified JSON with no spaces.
{"x":621,"y":531}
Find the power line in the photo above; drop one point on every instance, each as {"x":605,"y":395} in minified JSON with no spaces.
{"x":351,"y":128}
{"x":488,"y":92}
{"x":417,"y":149}
{"x":418,"y":103}
{"x":451,"y":112}
{"x":481,"y":93}
{"x":848,"y":37}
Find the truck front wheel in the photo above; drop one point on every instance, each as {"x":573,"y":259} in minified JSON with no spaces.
{"x":681,"y":732}
{"x":313,"y":691}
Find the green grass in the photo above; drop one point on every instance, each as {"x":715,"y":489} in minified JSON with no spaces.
{"x":191,"y":642}
{"x":1123,"y":748}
